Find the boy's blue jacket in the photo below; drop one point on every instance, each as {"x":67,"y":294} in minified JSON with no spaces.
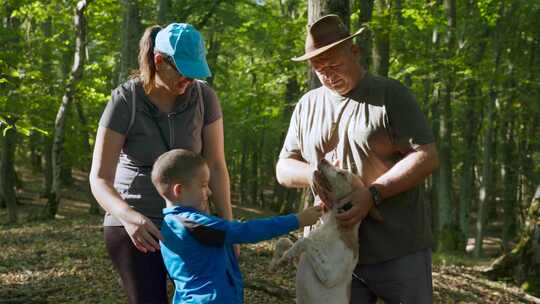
{"x":197,"y":251}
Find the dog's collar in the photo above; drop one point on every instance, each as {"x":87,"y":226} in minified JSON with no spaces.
{"x":345,"y":207}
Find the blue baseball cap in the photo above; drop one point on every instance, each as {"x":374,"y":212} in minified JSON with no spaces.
{"x":185,"y":45}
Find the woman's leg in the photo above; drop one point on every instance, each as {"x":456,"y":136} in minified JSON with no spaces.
{"x":143,"y":275}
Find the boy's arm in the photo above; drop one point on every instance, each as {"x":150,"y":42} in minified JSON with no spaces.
{"x":257,"y":230}
{"x":215,"y":231}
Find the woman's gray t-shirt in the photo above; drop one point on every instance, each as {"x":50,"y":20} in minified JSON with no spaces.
{"x":181,"y":129}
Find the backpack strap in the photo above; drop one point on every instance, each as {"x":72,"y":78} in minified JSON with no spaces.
{"x":199,"y":91}
{"x":201,"y":100}
{"x":133,"y":107}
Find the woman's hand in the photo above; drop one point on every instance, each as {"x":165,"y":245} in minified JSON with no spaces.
{"x":143,"y":233}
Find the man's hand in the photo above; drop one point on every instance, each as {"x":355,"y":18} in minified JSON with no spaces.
{"x":361,"y":201}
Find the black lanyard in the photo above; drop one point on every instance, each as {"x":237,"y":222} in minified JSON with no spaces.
{"x":161,"y":133}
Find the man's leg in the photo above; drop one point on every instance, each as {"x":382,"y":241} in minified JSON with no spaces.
{"x":360,"y":292}
{"x":402,"y":280}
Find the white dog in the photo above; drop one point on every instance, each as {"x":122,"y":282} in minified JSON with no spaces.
{"x":330,"y":252}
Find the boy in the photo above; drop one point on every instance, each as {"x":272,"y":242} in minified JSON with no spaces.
{"x":197,"y":247}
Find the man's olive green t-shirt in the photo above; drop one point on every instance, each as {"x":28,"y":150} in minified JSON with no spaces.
{"x":369,"y":130}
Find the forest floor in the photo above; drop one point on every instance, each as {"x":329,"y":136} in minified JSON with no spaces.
{"x":64,"y":260}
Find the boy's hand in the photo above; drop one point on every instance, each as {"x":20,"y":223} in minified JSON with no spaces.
{"x":309,"y":216}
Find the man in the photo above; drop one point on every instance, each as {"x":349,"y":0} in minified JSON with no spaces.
{"x":372,"y":126}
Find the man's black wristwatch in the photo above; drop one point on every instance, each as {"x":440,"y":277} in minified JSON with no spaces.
{"x":376,"y":195}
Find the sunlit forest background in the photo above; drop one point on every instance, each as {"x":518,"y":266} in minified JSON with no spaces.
{"x":474,"y":67}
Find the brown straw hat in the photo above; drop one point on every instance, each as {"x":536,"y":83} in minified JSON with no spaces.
{"x":324,"y":34}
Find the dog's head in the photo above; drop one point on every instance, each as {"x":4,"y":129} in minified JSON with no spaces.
{"x":340,"y":183}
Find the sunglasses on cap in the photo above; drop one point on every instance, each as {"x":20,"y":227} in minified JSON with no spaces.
{"x":170,"y":62}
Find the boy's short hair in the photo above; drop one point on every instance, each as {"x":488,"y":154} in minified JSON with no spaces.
{"x":175,"y":166}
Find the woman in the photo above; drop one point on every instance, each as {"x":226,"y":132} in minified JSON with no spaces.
{"x":161,"y":108}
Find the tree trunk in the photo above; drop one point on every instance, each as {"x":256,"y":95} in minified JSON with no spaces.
{"x":66,"y":176}
{"x":509,"y":167}
{"x":254,"y":176}
{"x":525,"y":152}
{"x":434,"y":108}
{"x":259,"y":199}
{"x":434,"y":195}
{"x":448,"y":232}
{"x":45,"y":140}
{"x":163,"y":8}
{"x":12,"y":173}
{"x":131,"y":32}
{"x":470,"y":138}
{"x":7,"y":186}
{"x":509,"y":176}
{"x":366,"y":11}
{"x":472,"y":124}
{"x":2,"y":149}
{"x":48,"y":167}
{"x":213,"y":53}
{"x":58,"y":142}
{"x":85,"y":134}
{"x":522,"y":264}
{"x":448,"y":238}
{"x":381,"y":39}
{"x":34,"y":141}
{"x":486,"y":187}
{"x":319,"y":8}
{"x":243,"y":173}
{"x":284,"y":201}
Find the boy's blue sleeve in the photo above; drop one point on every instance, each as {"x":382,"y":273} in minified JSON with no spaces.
{"x":253,"y":231}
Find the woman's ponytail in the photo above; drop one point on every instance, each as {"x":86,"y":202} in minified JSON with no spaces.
{"x":147,"y":69}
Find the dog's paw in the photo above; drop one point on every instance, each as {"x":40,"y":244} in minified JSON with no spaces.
{"x":281,"y":262}
{"x":286,"y":259}
{"x":281,"y":248}
{"x":273,"y":266}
